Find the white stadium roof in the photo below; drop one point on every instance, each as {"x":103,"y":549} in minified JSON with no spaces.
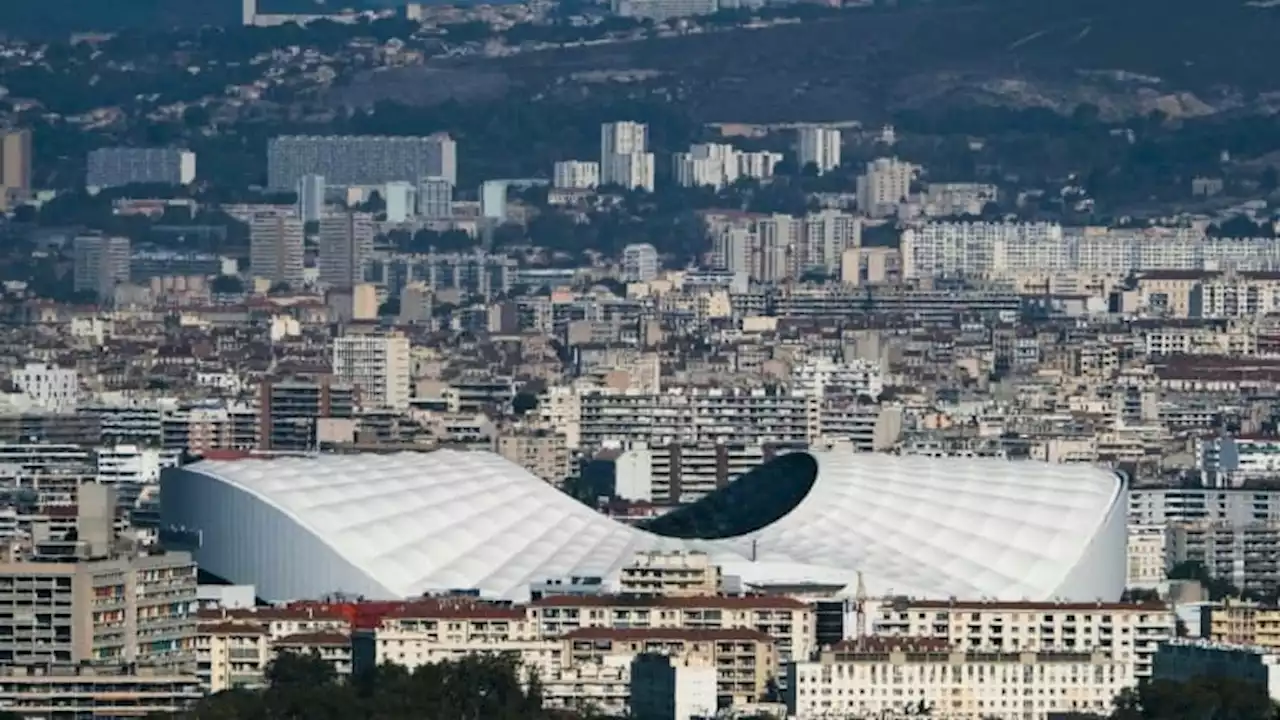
{"x":397,"y":525}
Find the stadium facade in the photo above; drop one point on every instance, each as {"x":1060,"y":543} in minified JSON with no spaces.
{"x":389,"y":526}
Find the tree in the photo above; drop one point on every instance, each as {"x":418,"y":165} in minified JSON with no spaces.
{"x":227,"y":285}
{"x":1270,"y":179}
{"x":524,"y":402}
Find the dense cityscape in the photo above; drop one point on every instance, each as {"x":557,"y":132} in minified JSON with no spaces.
{"x":446,"y":362}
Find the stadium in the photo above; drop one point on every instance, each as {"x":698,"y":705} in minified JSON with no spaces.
{"x":389,"y":526}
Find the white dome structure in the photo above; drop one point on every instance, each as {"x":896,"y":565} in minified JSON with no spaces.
{"x":396,"y":525}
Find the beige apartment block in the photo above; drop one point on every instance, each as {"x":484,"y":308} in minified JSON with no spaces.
{"x":132,"y":609}
{"x":1123,"y":632}
{"x":745,"y":660}
{"x":670,"y":574}
{"x":883,"y":676}
{"x":431,"y":631}
{"x":234,"y":647}
{"x":1243,"y":622}
{"x":788,"y":621}
{"x":545,"y":454}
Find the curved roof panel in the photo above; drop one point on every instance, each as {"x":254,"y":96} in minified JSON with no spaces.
{"x":406,"y":523}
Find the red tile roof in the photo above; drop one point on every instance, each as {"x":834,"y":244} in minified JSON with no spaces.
{"x":459,"y":608}
{"x":315,"y":639}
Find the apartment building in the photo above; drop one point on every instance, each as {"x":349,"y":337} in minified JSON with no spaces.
{"x":819,"y":146}
{"x":576,"y":175}
{"x":758,"y":416}
{"x":1232,"y":532}
{"x":745,"y":660}
{"x":676,"y":473}
{"x":118,"y":166}
{"x":789,"y":622}
{"x":884,"y":185}
{"x":640,"y":263}
{"x":624,"y":156}
{"x":15,"y":167}
{"x":360,"y":160}
{"x":276,"y":249}
{"x":1124,"y":633}
{"x":377,"y":366}
{"x":711,"y":165}
{"x":290,"y":411}
{"x":435,"y":198}
{"x":88,"y":691}
{"x":1149,"y":556}
{"x":604,"y":686}
{"x":100,"y":264}
{"x":1245,"y":622}
{"x":478,"y":273}
{"x":346,"y":249}
{"x":49,"y":387}
{"x":899,"y":676}
{"x":661,"y":10}
{"x":311,"y":197}
{"x":435,"y":630}
{"x":127,"y":609}
{"x":544,"y":454}
{"x":670,"y":574}
{"x":234,"y":647}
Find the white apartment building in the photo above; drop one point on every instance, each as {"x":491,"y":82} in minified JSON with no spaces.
{"x":696,"y":416}
{"x":51,"y":388}
{"x":131,"y":469}
{"x":632,"y":171}
{"x":707,"y":165}
{"x":623,"y":138}
{"x":823,"y":376}
{"x":576,"y":175}
{"x":885,"y":184}
{"x":819,"y":146}
{"x":625,"y":159}
{"x":827,"y":235}
{"x":1125,"y":633}
{"x":1003,"y":250}
{"x":377,"y":366}
{"x":277,"y":249}
{"x":435,"y":198}
{"x":1150,"y":556}
{"x":311,"y":190}
{"x":118,"y":166}
{"x":399,"y":199}
{"x":777,"y":251}
{"x":640,"y":263}
{"x":896,"y":677}
{"x":983,"y":249}
{"x":758,"y":165}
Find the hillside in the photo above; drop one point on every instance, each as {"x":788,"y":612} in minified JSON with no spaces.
{"x":1183,"y":57}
